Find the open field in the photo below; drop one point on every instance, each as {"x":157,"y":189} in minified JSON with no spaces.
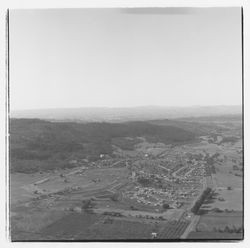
{"x":120,"y":229}
{"x":228,"y":180}
{"x":27,"y":224}
{"x":173,"y":229}
{"x":210,"y":222}
{"x":71,"y":225}
{"x":215,"y":236}
{"x":226,"y":199}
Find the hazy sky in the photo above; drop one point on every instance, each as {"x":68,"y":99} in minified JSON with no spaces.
{"x":114,"y":57}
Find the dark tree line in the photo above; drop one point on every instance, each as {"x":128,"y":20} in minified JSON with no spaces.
{"x":201,"y":199}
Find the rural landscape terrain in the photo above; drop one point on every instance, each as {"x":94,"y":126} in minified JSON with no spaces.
{"x":126,"y":179}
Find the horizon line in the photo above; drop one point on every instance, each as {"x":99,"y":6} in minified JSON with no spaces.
{"x":127,"y":107}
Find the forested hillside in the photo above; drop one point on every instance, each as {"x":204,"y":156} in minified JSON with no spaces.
{"x":41,"y":145}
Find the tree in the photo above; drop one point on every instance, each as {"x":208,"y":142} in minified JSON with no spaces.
{"x":165,"y":205}
{"x":200,"y":201}
{"x":133,"y":208}
{"x":86,"y":204}
{"x":115,"y":197}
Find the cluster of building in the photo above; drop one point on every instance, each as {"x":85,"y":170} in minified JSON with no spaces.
{"x":151,"y":196}
{"x":174,"y":183}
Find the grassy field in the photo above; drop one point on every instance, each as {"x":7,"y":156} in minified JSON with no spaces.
{"x":98,"y":227}
{"x":119,"y":229}
{"x":226,"y":180}
{"x":41,"y":209}
{"x":215,"y":236}
{"x":220,"y":220}
{"x":231,"y":200}
{"x":27,"y":226}
{"x":70,"y":226}
{"x":153,"y":149}
{"x":22,"y":185}
{"x":17,"y":183}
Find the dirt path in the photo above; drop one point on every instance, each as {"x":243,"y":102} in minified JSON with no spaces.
{"x":164,"y":168}
{"x":182,"y":168}
{"x":190,"y":171}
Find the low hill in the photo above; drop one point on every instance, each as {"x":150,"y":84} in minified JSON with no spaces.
{"x":190,"y":126}
{"x":201,"y":125}
{"x":42,"y":145}
{"x":214,"y":118}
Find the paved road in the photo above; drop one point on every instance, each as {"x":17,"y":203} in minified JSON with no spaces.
{"x":191,"y":226}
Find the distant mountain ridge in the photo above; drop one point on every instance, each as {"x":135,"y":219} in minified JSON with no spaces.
{"x":92,"y":114}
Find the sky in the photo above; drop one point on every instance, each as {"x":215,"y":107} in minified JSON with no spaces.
{"x":68,"y":58}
